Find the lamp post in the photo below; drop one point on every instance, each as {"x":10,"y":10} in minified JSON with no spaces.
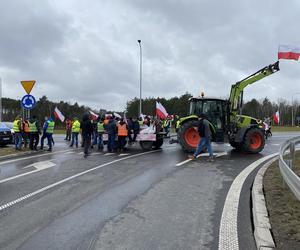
{"x":140,"y":108}
{"x":0,"y":99}
{"x":293,"y":107}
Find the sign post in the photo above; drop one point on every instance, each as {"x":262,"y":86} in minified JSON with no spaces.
{"x":28,"y":101}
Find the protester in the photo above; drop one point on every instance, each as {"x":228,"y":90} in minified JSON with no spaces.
{"x":100,"y":131}
{"x":75,"y":131}
{"x":68,"y":129}
{"x":34,"y":132}
{"x":25,"y":133}
{"x":86,"y":132}
{"x":205,"y":138}
{"x":135,"y":128}
{"x":111,"y":129}
{"x":122,"y":134}
{"x":17,"y":128}
{"x":48,"y":129}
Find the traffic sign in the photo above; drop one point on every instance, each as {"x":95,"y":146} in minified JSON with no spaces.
{"x":28,"y":85}
{"x":28,"y":102}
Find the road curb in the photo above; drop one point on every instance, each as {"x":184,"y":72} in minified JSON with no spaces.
{"x":262,"y":226}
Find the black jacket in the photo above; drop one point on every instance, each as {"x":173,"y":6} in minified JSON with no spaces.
{"x":86,"y":126}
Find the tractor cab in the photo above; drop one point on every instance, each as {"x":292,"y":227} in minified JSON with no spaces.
{"x":217,"y":112}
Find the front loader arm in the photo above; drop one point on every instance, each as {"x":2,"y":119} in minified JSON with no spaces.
{"x":236,"y":93}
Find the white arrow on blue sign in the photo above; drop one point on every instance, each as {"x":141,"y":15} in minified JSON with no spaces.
{"x":28,"y":102}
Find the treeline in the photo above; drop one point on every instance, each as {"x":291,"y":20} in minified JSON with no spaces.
{"x":255,"y":108}
{"x":175,"y":106}
{"x":11,"y":108}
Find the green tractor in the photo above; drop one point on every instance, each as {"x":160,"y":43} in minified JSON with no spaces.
{"x":226,"y":122}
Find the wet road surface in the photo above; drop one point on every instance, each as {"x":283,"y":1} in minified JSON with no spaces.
{"x":134,"y":200}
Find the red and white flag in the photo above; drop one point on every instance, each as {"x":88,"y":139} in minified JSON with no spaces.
{"x":94,"y":115}
{"x":291,"y":52}
{"x":161,"y":111}
{"x":59,"y":115}
{"x":276,"y":117}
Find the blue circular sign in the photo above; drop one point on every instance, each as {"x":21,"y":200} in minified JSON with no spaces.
{"x":28,"y":102}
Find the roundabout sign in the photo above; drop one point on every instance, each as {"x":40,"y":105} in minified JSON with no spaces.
{"x":28,"y":102}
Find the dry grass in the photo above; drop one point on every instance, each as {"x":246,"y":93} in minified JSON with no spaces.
{"x":284,"y":210}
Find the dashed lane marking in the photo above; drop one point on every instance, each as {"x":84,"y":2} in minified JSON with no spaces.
{"x":34,"y":156}
{"x":228,"y":234}
{"x":203,"y":154}
{"x":9,"y":204}
{"x":109,"y":154}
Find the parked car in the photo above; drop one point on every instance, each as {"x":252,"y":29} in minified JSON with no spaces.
{"x":10,"y":126}
{"x":5,"y":134}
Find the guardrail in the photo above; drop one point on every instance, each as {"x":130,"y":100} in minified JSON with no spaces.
{"x":287,"y":166}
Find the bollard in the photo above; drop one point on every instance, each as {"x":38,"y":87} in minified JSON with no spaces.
{"x":292,"y":154}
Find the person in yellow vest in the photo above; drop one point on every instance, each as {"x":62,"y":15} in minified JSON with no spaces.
{"x":34,"y":133}
{"x":48,"y":130}
{"x":122,"y":134}
{"x":17,"y":128}
{"x":75,"y":132}
{"x":100,"y":131}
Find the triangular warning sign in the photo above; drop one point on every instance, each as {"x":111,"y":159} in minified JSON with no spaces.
{"x":28,"y":85}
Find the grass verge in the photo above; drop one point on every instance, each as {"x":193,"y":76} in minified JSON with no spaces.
{"x":284,"y":210}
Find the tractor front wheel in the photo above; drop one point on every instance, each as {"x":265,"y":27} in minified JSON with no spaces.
{"x":188,"y":136}
{"x":254,"y":141}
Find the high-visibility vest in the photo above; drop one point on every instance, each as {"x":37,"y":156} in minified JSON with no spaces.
{"x":32,"y":127}
{"x":164,"y":124}
{"x":100,"y":127}
{"x":50,"y":128}
{"x":76,"y":127}
{"x":16,"y":126}
{"x":122,"y":130}
{"x":141,"y":123}
{"x":26,"y":126}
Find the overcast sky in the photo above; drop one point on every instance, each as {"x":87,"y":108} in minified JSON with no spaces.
{"x":87,"y":51}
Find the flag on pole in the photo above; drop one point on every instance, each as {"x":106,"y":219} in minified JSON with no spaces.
{"x":125,"y":119}
{"x":59,"y":115}
{"x":161,"y":111}
{"x":276,"y":118}
{"x":94,"y":115}
{"x":291,"y":52}
{"x":117,"y":115}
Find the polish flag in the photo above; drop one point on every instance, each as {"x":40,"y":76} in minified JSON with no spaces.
{"x":289,"y":52}
{"x":59,"y":115}
{"x":94,"y":115}
{"x":276,"y":118}
{"x":161,"y":111}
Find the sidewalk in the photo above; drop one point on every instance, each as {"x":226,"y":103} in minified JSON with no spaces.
{"x":283,"y":208}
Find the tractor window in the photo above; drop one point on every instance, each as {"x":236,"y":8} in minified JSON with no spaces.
{"x":196,"y":108}
{"x":215,"y":112}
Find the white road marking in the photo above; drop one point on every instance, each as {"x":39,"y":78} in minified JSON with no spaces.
{"x":275,"y":144}
{"x":183,"y":162}
{"x":9,"y":204}
{"x":97,"y":153}
{"x":228,"y":234}
{"x":109,"y":154}
{"x":203,"y":154}
{"x":70,"y":153}
{"x":124,"y":154}
{"x":39,"y":167}
{"x":33,"y":156}
{"x":81,"y":153}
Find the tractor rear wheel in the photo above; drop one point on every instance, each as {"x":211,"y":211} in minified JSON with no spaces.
{"x":254,"y":141}
{"x":188,"y":136}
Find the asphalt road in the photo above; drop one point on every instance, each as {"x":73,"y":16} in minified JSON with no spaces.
{"x":136,"y":200}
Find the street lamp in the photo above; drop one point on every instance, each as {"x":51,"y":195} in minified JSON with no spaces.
{"x":140,"y":108}
{"x":293,"y":107}
{"x":0,"y":99}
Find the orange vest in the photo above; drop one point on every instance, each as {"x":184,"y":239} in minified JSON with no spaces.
{"x":122,"y":130}
{"x":26,"y":127}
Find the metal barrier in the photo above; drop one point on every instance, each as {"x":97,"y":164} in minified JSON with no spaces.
{"x":286,"y":166}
